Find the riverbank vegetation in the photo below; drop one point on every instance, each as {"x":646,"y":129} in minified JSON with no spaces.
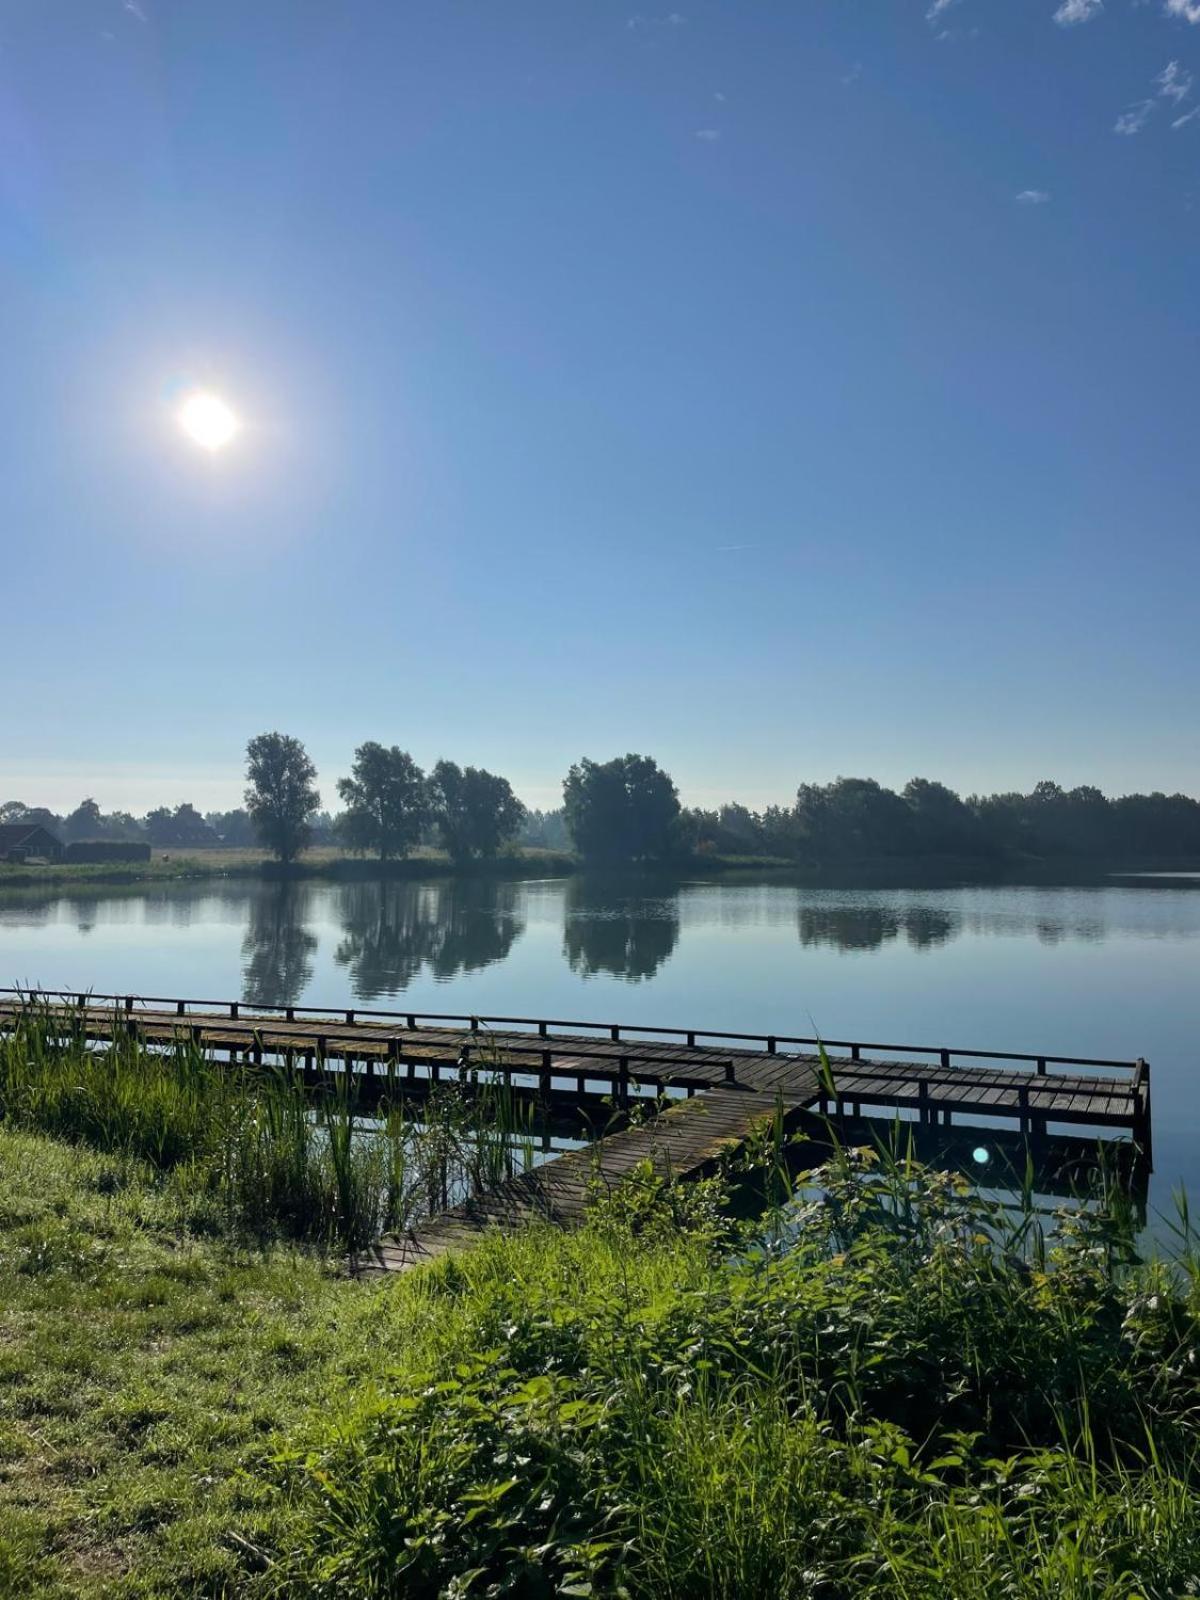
{"x":888,"y":1386}
{"x":249,"y":1150}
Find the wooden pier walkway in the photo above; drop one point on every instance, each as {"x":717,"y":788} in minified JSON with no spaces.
{"x":686,"y":1139}
{"x":732,"y":1082}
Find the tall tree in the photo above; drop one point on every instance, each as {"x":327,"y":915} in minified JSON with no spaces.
{"x":281,"y":792}
{"x":387,"y":801}
{"x":476,"y":812}
{"x":85,"y":822}
{"x":626,"y":809}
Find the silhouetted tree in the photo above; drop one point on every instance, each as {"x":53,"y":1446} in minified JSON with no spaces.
{"x":282,"y":793}
{"x":387,"y":801}
{"x":232,"y":828}
{"x":182,"y":827}
{"x":852,"y":817}
{"x":475,"y":811}
{"x":626,"y":809}
{"x":545,"y":830}
{"x":86,"y":822}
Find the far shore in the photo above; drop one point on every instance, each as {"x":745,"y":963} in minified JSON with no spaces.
{"x":327,"y":862}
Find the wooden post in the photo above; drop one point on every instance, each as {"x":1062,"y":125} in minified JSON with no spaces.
{"x":923,"y":1101}
{"x":771,"y":1047}
{"x":614,"y":1032}
{"x":544,"y":1085}
{"x":1023,"y":1106}
{"x":623,"y":1080}
{"x":944,"y":1057}
{"x":233,"y":1008}
{"x":1142,"y":1130}
{"x":350,"y":1019}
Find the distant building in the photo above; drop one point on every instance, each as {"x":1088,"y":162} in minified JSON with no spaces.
{"x":26,"y":841}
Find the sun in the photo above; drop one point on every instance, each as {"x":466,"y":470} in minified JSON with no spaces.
{"x":208,"y":421}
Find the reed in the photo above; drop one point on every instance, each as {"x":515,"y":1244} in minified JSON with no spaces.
{"x":272,"y":1156}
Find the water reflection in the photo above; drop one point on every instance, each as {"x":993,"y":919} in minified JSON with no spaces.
{"x":607,"y":927}
{"x":869,"y":927}
{"x":277,"y":948}
{"x":391,"y":930}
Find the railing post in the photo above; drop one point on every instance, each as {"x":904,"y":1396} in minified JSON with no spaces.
{"x":233,"y":1008}
{"x":1041,"y":1066}
{"x":350,"y":1019}
{"x":730,"y":1074}
{"x":944,"y":1057}
{"x":412,"y":1022}
{"x":771,"y":1046}
{"x":1142,"y":1131}
{"x":623,"y":1080}
{"x":614,"y":1032}
{"x":923,"y":1101}
{"x":856,"y":1052}
{"x":544,"y":1085}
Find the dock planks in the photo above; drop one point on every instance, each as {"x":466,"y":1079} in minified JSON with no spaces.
{"x":733,"y":1084}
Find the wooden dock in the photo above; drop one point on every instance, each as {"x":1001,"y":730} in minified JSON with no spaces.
{"x":686,"y":1139}
{"x":728,"y":1083}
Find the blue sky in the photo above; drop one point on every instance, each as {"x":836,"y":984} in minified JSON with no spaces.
{"x":780,"y":389}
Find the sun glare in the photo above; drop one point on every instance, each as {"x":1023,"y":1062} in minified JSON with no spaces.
{"x":208,"y":421}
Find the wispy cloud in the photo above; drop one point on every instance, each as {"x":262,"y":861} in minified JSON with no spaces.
{"x":1182,"y":122}
{"x":672,"y":19}
{"x":1072,"y":12}
{"x":1135,"y":119}
{"x":854,"y":74}
{"x":1189,"y":10}
{"x":709,"y":135}
{"x":1034,"y":197}
{"x":134,"y":10}
{"x":1173,"y":82}
{"x":939,"y":6}
{"x":719,"y":97}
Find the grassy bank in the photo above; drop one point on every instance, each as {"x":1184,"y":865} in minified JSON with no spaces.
{"x":893,"y":1389}
{"x":166,"y":866}
{"x":249,"y":1152}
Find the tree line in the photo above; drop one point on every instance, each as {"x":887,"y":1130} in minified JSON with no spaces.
{"x":628,"y":810}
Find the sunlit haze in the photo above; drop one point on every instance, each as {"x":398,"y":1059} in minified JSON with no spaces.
{"x":779,"y":390}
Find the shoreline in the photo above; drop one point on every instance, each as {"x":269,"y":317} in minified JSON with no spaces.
{"x":878,"y":872}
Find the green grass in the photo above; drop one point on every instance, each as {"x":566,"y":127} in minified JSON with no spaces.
{"x":889,"y":1388}
{"x":249,"y":1150}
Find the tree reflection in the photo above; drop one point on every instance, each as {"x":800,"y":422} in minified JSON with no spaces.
{"x":610,"y":928}
{"x":871,"y":927}
{"x":277,"y":947}
{"x":393,"y":929}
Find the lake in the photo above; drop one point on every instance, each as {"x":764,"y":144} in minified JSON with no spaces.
{"x":1107,"y":970}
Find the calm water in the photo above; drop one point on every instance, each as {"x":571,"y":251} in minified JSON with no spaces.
{"x":1110,"y":971}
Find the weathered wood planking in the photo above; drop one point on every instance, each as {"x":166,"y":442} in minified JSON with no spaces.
{"x":684,"y":1140}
